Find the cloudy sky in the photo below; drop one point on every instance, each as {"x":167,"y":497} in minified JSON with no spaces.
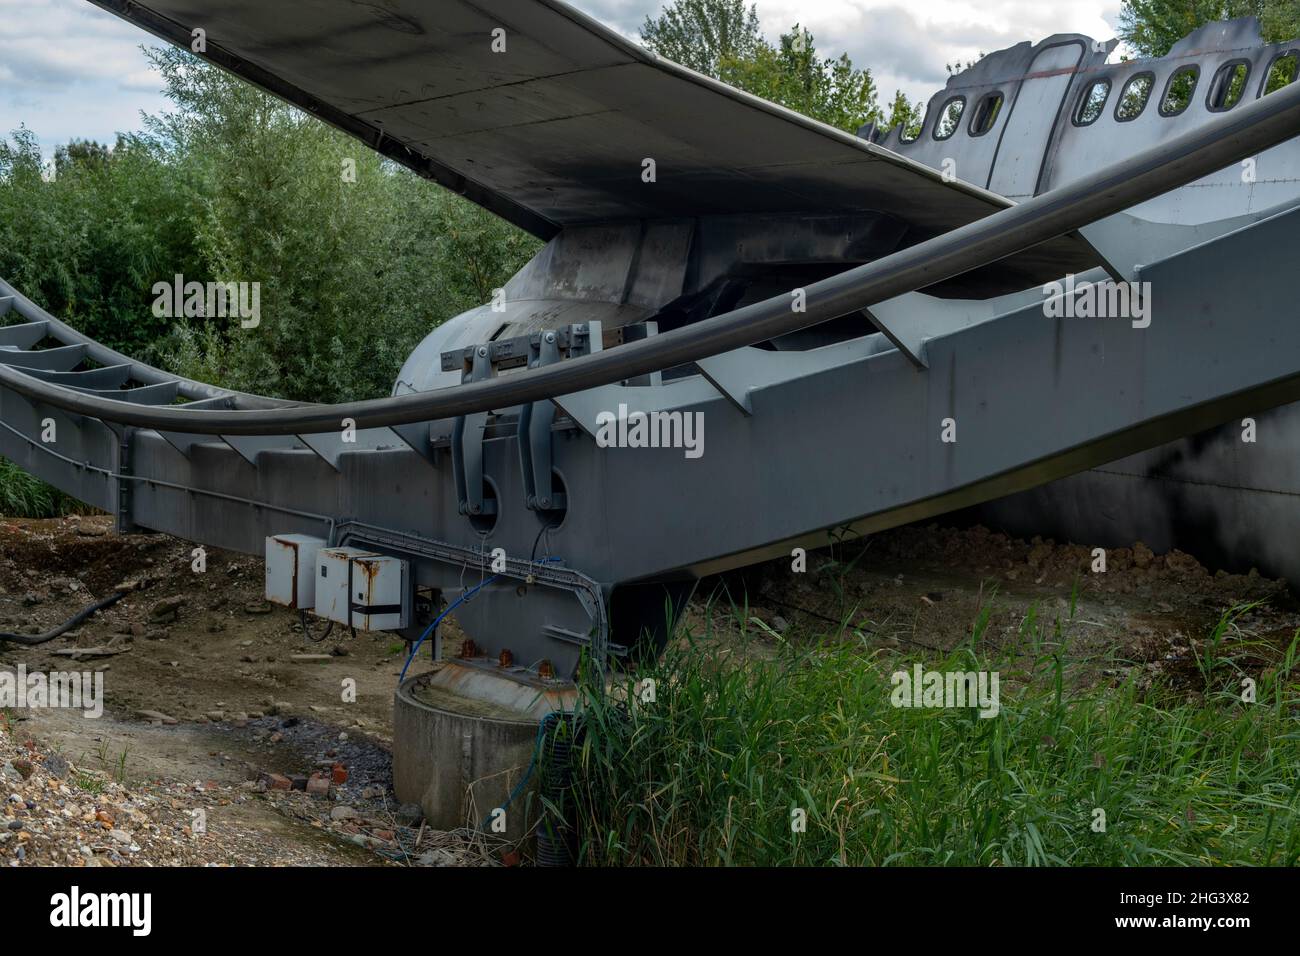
{"x":67,"y":69}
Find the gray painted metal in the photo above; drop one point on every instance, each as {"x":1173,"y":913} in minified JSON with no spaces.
{"x":22,"y":336}
{"x":102,"y":355}
{"x":162,"y":393}
{"x":50,"y":360}
{"x":108,"y":377}
{"x":1187,"y":370}
{"x":1232,"y":504}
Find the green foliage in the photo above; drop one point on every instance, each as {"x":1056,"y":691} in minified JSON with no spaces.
{"x":701,"y":34}
{"x":22,"y":496}
{"x":906,"y":114}
{"x":357,"y":260}
{"x":233,"y":185}
{"x":792,"y":74}
{"x":88,"y":244}
{"x":722,"y":39}
{"x":1152,"y":27}
{"x":711,"y":770}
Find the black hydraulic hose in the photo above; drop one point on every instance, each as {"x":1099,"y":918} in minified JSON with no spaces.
{"x":31,"y":640}
{"x":1234,"y":136}
{"x":306,"y":627}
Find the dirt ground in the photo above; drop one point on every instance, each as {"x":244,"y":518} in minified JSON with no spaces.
{"x":920,"y":589}
{"x":211,"y":706}
{"x":206,"y":708}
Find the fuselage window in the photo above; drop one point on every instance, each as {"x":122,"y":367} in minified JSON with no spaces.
{"x":1092,"y":102}
{"x":1228,"y":86}
{"x":949,"y":117}
{"x":1280,"y":72}
{"x":1179,"y":90}
{"x":986,"y":114}
{"x":1133,"y":98}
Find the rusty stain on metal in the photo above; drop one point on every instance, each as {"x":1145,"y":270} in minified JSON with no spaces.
{"x":468,"y":649}
{"x":506,"y":658}
{"x":546,"y":670}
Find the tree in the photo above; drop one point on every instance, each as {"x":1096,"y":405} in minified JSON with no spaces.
{"x":356,"y":259}
{"x":905,"y":114}
{"x":1152,"y":27}
{"x":721,"y":38}
{"x":80,"y":152}
{"x":700,"y":34}
{"x":793,"y":74}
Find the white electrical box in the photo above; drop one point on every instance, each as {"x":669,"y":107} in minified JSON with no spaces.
{"x":362,"y":589}
{"x":291,"y":570}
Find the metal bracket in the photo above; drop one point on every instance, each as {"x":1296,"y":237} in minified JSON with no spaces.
{"x":467,"y":444}
{"x":122,"y":518}
{"x":634,"y":333}
{"x":572,"y":340}
{"x":534,"y":438}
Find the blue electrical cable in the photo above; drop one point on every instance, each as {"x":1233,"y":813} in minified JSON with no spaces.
{"x":438,"y":620}
{"x":523,"y":781}
{"x":541,"y":725}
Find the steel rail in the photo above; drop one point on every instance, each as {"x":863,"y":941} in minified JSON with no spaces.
{"x":140,"y":371}
{"x":1236,"y":135}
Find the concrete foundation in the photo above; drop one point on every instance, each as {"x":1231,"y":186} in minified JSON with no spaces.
{"x":463,"y":738}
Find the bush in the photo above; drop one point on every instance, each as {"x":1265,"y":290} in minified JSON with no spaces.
{"x":357,"y":259}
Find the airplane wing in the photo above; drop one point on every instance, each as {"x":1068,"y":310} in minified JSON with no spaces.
{"x":553,"y":130}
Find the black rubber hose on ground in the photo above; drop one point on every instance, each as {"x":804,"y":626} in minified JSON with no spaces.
{"x":31,"y":640}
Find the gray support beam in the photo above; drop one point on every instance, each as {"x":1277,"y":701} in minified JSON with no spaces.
{"x":738,"y":374}
{"x":61,"y":359}
{"x":250,"y":446}
{"x":23,"y":336}
{"x":331,"y":445}
{"x":91,"y":380}
{"x":163,"y":393}
{"x":184,"y":441}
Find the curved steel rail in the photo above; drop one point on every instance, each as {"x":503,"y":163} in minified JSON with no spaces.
{"x":1238,"y":135}
{"x":140,"y":372}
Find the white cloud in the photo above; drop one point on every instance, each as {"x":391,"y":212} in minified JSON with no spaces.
{"x":70,"y":70}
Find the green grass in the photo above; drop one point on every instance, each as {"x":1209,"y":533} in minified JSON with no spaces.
{"x":89,"y":784}
{"x":711,"y":771}
{"x":23,"y":496}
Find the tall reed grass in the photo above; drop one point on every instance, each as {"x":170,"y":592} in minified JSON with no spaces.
{"x":715,"y":768}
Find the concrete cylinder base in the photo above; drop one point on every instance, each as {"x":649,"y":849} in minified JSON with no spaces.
{"x":463,"y":738}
